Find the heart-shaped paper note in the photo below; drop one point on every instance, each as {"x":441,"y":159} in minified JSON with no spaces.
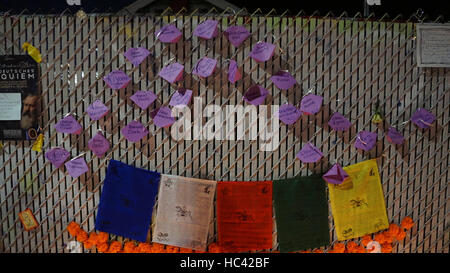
{"x":233,"y":72}
{"x":339,"y":123}
{"x":57,"y":156}
{"x":262,"y":51}
{"x":236,"y":35}
{"x":366,"y":140}
{"x":309,"y":153}
{"x":172,"y":73}
{"x":311,"y":104}
{"x":76,"y":167}
{"x":117,"y":79}
{"x":205,"y":67}
{"x":99,"y":145}
{"x":207,"y":29}
{"x":283,"y":80}
{"x":68,"y":125}
{"x":181,"y":98}
{"x":134,"y":131}
{"x":289,"y":114}
{"x":255,"y":95}
{"x":394,"y":136}
{"x":423,"y":118}
{"x":136,"y":55}
{"x":168,"y":34}
{"x":162,"y":117}
{"x":143,"y":98}
{"x":97,"y":110}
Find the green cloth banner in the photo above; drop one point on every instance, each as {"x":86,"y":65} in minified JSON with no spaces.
{"x":301,"y":213}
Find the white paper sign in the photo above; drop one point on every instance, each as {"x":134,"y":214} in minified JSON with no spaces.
{"x":433,"y":45}
{"x":10,"y":105}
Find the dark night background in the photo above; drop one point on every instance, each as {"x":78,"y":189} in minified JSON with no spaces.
{"x":432,"y":8}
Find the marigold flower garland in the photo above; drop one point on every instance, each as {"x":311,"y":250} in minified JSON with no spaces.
{"x":100,"y":241}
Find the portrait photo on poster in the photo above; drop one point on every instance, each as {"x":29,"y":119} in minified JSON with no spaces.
{"x":19,"y":98}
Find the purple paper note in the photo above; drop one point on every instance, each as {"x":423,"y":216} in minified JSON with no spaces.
{"x":236,"y":35}
{"x":172,"y":73}
{"x":262,"y":51}
{"x":339,"y":123}
{"x":365,"y":140}
{"x":76,"y":167}
{"x":162,"y":117}
{"x":97,"y":110}
{"x":283,"y":80}
{"x":289,"y":114}
{"x":168,"y":34}
{"x":394,"y":136}
{"x":309,"y":153}
{"x":68,"y":125}
{"x":181,"y":98}
{"x":57,"y":156}
{"x":336,"y":175}
{"x":134,"y":131}
{"x":205,"y":67}
{"x":311,"y":104}
{"x":143,"y":99}
{"x":207,"y":29}
{"x":117,"y":79}
{"x":255,"y":95}
{"x":99,"y":145}
{"x":423,"y":118}
{"x":136,"y":55}
{"x":233,"y":72}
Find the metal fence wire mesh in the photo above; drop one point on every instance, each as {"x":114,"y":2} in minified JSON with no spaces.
{"x":352,"y":62}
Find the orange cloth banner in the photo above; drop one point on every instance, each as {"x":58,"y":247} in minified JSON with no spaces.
{"x":244,"y":215}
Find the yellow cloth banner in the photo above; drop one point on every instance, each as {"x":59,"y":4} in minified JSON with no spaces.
{"x":358,"y":203}
{"x":32,"y":51}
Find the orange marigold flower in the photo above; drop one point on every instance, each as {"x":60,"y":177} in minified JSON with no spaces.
{"x":386,"y":248}
{"x":339,"y":248}
{"x":102,"y":247}
{"x":144,"y":248}
{"x":73,"y":228}
{"x":388,"y":237}
{"x":401,"y":235}
{"x":87,"y":244}
{"x":102,"y":237}
{"x":366,"y":239}
{"x":407,"y":223}
{"x":394,"y":229}
{"x":186,"y":250}
{"x":214,"y":248}
{"x":158,"y":248}
{"x":318,"y":251}
{"x":115,"y":247}
{"x":82,"y":236}
{"x":380,"y":238}
{"x":129,"y":247}
{"x":172,"y":249}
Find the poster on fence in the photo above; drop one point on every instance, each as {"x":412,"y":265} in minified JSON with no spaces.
{"x":433,"y":45}
{"x":19,"y":97}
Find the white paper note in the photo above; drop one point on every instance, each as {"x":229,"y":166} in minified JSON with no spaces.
{"x":10,"y":106}
{"x":433,"y":45}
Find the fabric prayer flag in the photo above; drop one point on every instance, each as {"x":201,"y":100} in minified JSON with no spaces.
{"x":127,"y":200}
{"x":358,"y":203}
{"x":236,"y":35}
{"x":136,"y":55}
{"x":207,"y":29}
{"x":283,"y":80}
{"x":68,"y":125}
{"x":255,"y":95}
{"x":168,"y":34}
{"x":244,"y":215}
{"x":339,"y":123}
{"x":184,"y":213}
{"x":301,"y":213}
{"x":423,"y":118}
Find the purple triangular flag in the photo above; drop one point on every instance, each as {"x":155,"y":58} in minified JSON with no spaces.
{"x":162,"y":117}
{"x":394,"y":136}
{"x":236,"y":35}
{"x":339,"y":123}
{"x":423,"y":118}
{"x":143,"y":99}
{"x":233,"y":72}
{"x":168,"y":34}
{"x":57,"y":156}
{"x":117,"y":79}
{"x":309,"y":153}
{"x":262,"y":51}
{"x":283,"y":80}
{"x":289,"y":114}
{"x":172,"y":73}
{"x":205,"y":67}
{"x":136,"y":55}
{"x":255,"y":95}
{"x":366,"y":140}
{"x":311,"y":104}
{"x":207,"y":29}
{"x":97,"y":110}
{"x":134,"y":131}
{"x":76,"y":167}
{"x":68,"y":125}
{"x":181,"y":98}
{"x":336,"y":175}
{"x":99,"y":145}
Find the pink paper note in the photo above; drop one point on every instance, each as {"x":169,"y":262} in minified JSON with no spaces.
{"x":366,"y":140}
{"x":423,"y":118}
{"x":309,"y":153}
{"x":76,"y":167}
{"x":205,"y":67}
{"x":311,"y":104}
{"x":236,"y":35}
{"x":233,"y":72}
{"x":283,"y":80}
{"x":394,"y":136}
{"x":68,"y":125}
{"x":336,"y":175}
{"x":162,"y":117}
{"x":136,"y":55}
{"x":207,"y":29}
{"x":99,"y":145}
{"x":339,"y":123}
{"x":172,"y":73}
{"x":117,"y":79}
{"x":134,"y":131}
{"x":181,"y":98}
{"x":97,"y":110}
{"x":289,"y":114}
{"x":168,"y":34}
{"x":262,"y":51}
{"x":143,"y":99}
{"x":57,"y":156}
{"x":255,"y":95}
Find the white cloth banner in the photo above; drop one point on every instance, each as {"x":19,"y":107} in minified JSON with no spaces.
{"x":184,"y":212}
